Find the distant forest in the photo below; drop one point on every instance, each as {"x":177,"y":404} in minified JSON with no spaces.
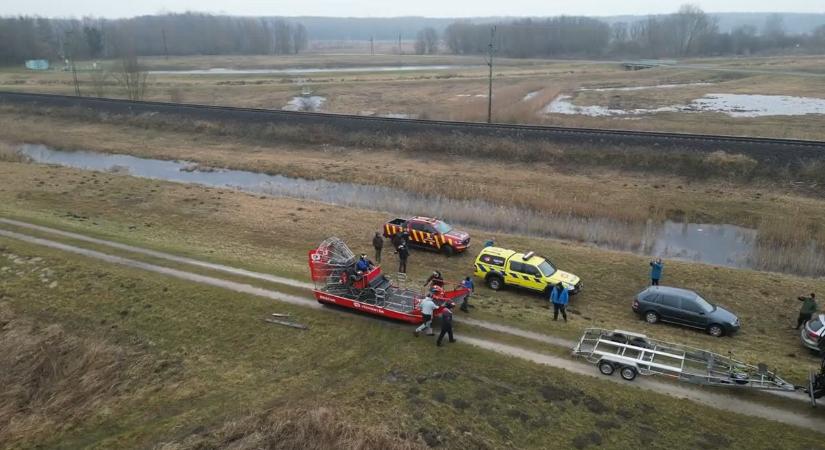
{"x":688,"y":32}
{"x":24,"y":38}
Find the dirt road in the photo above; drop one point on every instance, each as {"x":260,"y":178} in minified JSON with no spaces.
{"x":809,"y":419}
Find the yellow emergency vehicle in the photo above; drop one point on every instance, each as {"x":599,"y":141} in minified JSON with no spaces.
{"x":499,"y":267}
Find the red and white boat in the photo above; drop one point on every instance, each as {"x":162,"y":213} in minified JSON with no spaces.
{"x":337,"y":282}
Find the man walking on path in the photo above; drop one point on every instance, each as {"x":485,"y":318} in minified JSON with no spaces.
{"x":446,"y":323}
{"x":656,"y":268}
{"x":560,"y":298}
{"x":378,"y":245}
{"x":468,"y":284}
{"x":427,"y":308}
{"x":807,"y":311}
{"x":403,"y":254}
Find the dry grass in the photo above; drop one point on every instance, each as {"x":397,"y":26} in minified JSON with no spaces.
{"x":52,"y":380}
{"x":286,"y":429}
{"x":9,"y":153}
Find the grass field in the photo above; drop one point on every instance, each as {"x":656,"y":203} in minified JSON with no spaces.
{"x":169,"y":364}
{"x":273,"y":235}
{"x":459,"y":93}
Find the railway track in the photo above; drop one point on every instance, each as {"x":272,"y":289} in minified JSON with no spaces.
{"x":768,"y":148}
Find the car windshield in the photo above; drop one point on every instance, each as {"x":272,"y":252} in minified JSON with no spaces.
{"x":816,"y":325}
{"x":702,"y":303}
{"x":546,"y":268}
{"x":443,"y":227}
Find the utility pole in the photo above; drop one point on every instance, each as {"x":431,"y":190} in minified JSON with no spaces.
{"x":72,"y":38}
{"x":400,"y":52}
{"x":165,"y":47}
{"x":372,"y":45}
{"x":490,"y":79}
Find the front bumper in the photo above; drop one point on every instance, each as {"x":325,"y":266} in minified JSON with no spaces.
{"x":576,"y":289}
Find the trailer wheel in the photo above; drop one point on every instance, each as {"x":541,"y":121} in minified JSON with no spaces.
{"x":628,"y":373}
{"x":606,"y":368}
{"x":448,"y":250}
{"x":495,"y":282}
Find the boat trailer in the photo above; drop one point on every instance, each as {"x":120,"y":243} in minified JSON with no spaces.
{"x":633,"y":354}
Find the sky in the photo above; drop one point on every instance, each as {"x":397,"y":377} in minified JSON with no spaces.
{"x":390,"y":8}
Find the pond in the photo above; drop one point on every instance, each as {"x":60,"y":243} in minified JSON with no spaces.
{"x":717,"y":244}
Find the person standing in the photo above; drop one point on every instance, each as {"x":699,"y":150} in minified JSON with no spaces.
{"x":446,"y":323}
{"x":403,"y":254}
{"x":656,"y":268}
{"x":378,"y":245}
{"x":807,"y":310}
{"x":489,"y":243}
{"x":427,"y":306}
{"x":559,"y":297}
{"x":467,"y":284}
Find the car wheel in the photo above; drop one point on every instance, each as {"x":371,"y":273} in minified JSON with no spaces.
{"x":651,"y":317}
{"x":628,"y":373}
{"x":716,"y":330}
{"x":448,"y":250}
{"x":495,"y":283}
{"x":606,"y":368}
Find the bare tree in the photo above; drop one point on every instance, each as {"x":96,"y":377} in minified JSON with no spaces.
{"x":426,"y":41}
{"x":131,"y":76}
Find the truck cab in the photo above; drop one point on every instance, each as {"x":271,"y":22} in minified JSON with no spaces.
{"x":500,"y":267}
{"x":429,"y":233}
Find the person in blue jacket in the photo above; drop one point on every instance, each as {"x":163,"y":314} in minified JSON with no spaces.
{"x":560,"y":297}
{"x":364,"y":264}
{"x":465,"y":303}
{"x":656,"y":268}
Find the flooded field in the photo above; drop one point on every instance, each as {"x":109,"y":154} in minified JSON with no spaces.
{"x":718,"y":244}
{"x":734,"y":105}
{"x":310,"y":70}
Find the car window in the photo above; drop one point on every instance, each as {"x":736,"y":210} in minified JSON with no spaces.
{"x":516,"y":266}
{"x":546,"y":268}
{"x":691,"y":305}
{"x":530,"y":269}
{"x":418,"y":226}
{"x":442,"y":227}
{"x":816,"y":325}
{"x":703,"y":304}
{"x":670,"y":300}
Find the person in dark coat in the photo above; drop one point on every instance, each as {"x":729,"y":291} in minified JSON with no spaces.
{"x":396,"y":240}
{"x":446,"y":323}
{"x":656,"y":268}
{"x":403,"y":254}
{"x":378,"y":245}
{"x":807,"y":310}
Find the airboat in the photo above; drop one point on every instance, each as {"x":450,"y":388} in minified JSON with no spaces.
{"x":338,"y":282}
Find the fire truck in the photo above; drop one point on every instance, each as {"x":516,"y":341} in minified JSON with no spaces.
{"x":338,"y":282}
{"x":429,"y":233}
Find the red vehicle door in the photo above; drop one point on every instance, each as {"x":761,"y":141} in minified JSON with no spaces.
{"x":424,"y":234}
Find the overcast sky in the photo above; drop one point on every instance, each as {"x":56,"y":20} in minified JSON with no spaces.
{"x":387,"y":8}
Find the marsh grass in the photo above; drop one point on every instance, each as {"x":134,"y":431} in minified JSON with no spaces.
{"x":9,"y":153}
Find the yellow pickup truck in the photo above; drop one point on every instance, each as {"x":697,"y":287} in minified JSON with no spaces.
{"x":499,"y":267}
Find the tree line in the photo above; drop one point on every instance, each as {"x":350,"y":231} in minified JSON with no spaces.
{"x":687,"y":32}
{"x":23,"y":38}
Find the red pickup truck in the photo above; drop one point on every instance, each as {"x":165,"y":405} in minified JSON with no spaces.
{"x":430,"y":233}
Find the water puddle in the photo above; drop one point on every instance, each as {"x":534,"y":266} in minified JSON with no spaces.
{"x":310,"y":103}
{"x":724,"y":245}
{"x":295,"y":71}
{"x":530,"y":96}
{"x":642,"y":88}
{"x":734,"y":105}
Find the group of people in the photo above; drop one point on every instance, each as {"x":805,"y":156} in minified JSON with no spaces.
{"x":428,"y":308}
{"x":400,"y":242}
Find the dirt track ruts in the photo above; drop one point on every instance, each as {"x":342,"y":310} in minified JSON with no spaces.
{"x":713,"y":399}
